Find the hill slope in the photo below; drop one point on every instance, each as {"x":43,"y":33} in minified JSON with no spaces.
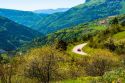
{"x":12,"y":35}
{"x":91,"y":10}
{"x":26,"y":18}
{"x":113,"y":38}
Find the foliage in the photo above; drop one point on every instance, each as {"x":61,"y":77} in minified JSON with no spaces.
{"x":100,"y":62}
{"x":112,"y":38}
{"x":83,"y":80}
{"x":45,"y":65}
{"x":117,"y":75}
{"x":62,"y":45}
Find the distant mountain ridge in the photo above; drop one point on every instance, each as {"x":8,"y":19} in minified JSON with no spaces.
{"x":91,"y":10}
{"x":13,"y":35}
{"x":51,"y":11}
{"x":26,"y":18}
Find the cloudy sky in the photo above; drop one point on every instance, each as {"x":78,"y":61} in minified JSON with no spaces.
{"x":38,"y":4}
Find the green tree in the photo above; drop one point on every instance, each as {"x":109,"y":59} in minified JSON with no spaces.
{"x":45,"y":64}
{"x":62,"y":45}
{"x":115,"y":21}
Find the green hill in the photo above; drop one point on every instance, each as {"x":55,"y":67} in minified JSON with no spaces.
{"x":81,"y":32}
{"x":113,"y":38}
{"x":12,"y":35}
{"x":26,"y":18}
{"x":91,"y":10}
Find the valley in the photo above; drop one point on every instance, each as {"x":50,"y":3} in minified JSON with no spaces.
{"x":81,"y":44}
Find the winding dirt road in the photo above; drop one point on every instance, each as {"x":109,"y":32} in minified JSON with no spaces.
{"x":78,"y":49}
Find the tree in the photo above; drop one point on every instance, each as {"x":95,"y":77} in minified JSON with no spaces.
{"x":45,"y":65}
{"x":62,"y":45}
{"x":7,"y":70}
{"x":115,"y":21}
{"x":123,"y":23}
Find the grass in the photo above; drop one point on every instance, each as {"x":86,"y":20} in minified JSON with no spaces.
{"x":120,"y":35}
{"x":81,"y":80}
{"x":101,"y":27}
{"x":89,"y":50}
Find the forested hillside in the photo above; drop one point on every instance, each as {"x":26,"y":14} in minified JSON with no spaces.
{"x":26,"y":18}
{"x":12,"y":35}
{"x":81,"y":32}
{"x":83,"y":13}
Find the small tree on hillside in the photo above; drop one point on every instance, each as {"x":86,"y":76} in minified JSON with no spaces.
{"x":62,"y":45}
{"x":45,"y":67}
{"x":7,"y":69}
{"x":115,"y":21}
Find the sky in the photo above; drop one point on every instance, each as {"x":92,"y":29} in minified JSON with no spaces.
{"x":30,"y":5}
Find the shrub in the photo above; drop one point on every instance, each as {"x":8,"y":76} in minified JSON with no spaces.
{"x":120,"y":47}
{"x":100,"y":63}
{"x":115,"y":76}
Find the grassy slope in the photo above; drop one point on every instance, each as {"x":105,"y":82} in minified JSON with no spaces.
{"x":117,"y":37}
{"x":77,"y":32}
{"x":120,"y":35}
{"x":81,"y":80}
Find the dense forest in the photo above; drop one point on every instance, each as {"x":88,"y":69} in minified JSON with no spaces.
{"x":13,"y":35}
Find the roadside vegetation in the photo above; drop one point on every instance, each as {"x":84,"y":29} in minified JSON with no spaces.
{"x":55,"y":63}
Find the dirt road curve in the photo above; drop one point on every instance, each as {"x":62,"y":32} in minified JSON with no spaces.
{"x":78,"y":49}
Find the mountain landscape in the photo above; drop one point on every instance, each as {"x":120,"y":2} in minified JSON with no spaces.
{"x":82,"y":44}
{"x":86,"y":12}
{"x":51,"y":11}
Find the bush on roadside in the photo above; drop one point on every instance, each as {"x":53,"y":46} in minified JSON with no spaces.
{"x":116,"y":76}
{"x":100,"y":63}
